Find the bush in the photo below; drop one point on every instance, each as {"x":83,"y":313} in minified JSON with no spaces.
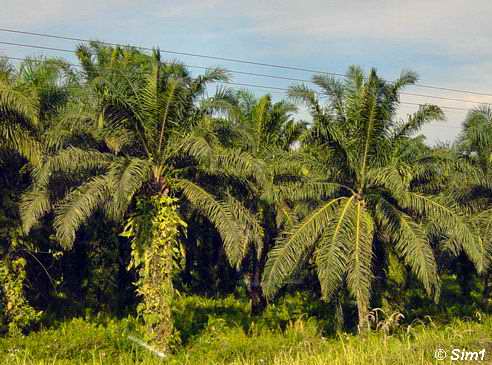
{"x":74,"y":339}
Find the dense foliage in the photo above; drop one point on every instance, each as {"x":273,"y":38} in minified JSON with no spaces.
{"x":125,"y":188}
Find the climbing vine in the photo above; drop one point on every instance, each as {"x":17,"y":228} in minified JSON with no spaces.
{"x":17,"y":314}
{"x":156,"y":255}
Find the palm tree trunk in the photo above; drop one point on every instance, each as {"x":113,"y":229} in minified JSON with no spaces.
{"x":258,"y":300}
{"x":486,"y":291}
{"x":339,"y":317}
{"x":363,"y":316}
{"x":158,"y":299}
{"x":155,"y":231}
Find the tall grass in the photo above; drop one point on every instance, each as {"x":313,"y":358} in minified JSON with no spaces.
{"x":227,"y":336}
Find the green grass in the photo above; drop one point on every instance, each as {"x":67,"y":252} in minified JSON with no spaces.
{"x":221,"y":332}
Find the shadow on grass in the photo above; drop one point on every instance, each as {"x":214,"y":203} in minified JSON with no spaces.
{"x":193,"y":315}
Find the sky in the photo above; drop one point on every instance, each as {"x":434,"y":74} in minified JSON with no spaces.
{"x":447,"y":42}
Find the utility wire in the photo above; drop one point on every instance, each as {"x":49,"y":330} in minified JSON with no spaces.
{"x":243,"y":73}
{"x":278,"y":89}
{"x":440,"y":106}
{"x":227,"y":59}
{"x":267,"y":87}
{"x":236,"y":60}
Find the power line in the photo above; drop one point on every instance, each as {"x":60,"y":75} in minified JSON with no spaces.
{"x":227,"y":59}
{"x":242,"y":73}
{"x":38,"y":47}
{"x":278,"y":89}
{"x":440,"y":106}
{"x":286,"y":90}
{"x":191,"y":66}
{"x":267,"y":87}
{"x":202,"y":67}
{"x":443,"y":98}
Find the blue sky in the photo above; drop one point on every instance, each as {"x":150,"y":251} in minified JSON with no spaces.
{"x":448,"y":42}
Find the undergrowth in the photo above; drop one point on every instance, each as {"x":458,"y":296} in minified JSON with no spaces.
{"x":222,"y":332}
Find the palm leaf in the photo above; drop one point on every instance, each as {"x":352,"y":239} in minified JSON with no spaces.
{"x":216,"y":212}
{"x":34,"y":205}
{"x":334,"y":249}
{"x":359,"y":275}
{"x":78,"y":205}
{"x":288,"y":252}
{"x":443,"y":213}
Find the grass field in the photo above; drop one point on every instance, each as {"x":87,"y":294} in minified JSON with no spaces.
{"x":228,"y":338}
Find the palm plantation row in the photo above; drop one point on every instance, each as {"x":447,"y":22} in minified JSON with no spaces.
{"x":352,"y":197}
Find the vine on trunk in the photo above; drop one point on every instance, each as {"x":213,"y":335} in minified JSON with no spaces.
{"x":156,"y":255}
{"x":18,"y":315}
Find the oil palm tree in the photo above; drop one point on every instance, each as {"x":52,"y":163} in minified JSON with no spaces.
{"x":19,"y":114}
{"x":361,"y":150}
{"x":30,"y":95}
{"x":150,"y":132}
{"x":144,"y":152}
{"x":264,"y":133}
{"x":472,"y":187}
{"x":30,"y":98}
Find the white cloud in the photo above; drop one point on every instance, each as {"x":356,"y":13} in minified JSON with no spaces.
{"x":447,"y":41}
{"x":171,"y":9}
{"x":39,"y":13}
{"x":451,"y":26}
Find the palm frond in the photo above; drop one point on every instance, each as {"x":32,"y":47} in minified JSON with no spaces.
{"x":235,"y":162}
{"x":426,"y":114}
{"x":445,"y":215}
{"x":333,"y":250}
{"x":15,"y":138}
{"x":34,"y":205}
{"x":359,"y":275}
{"x":215,"y":211}
{"x":290,"y":249}
{"x":251,"y":232}
{"x":417,"y":253}
{"x":303,"y":94}
{"x":70,"y":161}
{"x":305,"y":190}
{"x":77,"y":206}
{"x":127,"y":175}
{"x":18,"y":103}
